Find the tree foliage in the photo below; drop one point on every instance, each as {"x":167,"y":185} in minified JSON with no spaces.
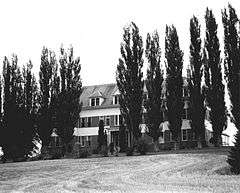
{"x":232,"y":71}
{"x":130,"y":79}
{"x":174,"y":65}
{"x":18,"y":126}
{"x":46,"y":77}
{"x":196,"y":92}
{"x":154,"y":86}
{"x":69,"y":106}
{"x":216,"y":88}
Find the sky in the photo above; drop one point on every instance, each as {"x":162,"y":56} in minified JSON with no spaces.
{"x":94,"y":28}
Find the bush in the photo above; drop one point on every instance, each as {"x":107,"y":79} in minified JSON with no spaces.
{"x":84,"y":153}
{"x":104,"y":151}
{"x":57,"y":155}
{"x":129,"y":151}
{"x":95,"y":151}
{"x":142,"y":147}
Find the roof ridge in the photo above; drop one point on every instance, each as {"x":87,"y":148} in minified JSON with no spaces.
{"x":107,"y":84}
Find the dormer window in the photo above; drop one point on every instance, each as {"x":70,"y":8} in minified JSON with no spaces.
{"x":92,"y":102}
{"x":116,"y":100}
{"x":96,"y":99}
{"x":95,"y":102}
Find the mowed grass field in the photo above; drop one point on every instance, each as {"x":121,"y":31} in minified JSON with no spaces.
{"x":196,"y":171}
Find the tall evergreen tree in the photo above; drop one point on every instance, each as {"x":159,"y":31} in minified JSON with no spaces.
{"x":69,"y":96}
{"x":129,"y":79}
{"x":6,"y":133}
{"x":196,"y":92}
{"x":19,"y":134}
{"x":216,"y":90}
{"x":154,"y":87}
{"x":45,"y":80}
{"x":174,"y":64}
{"x":232,"y":71}
{"x":29,"y":110}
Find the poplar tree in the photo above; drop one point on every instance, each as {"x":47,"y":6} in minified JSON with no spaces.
{"x":196,"y":93}
{"x":154,"y":87}
{"x":174,"y":65}
{"x":216,"y":89}
{"x":129,"y":79}
{"x":232,"y":71}
{"x":45,"y":81}
{"x":69,"y":96}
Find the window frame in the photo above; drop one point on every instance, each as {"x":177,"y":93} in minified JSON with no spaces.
{"x":89,"y":121}
{"x":184,"y":131}
{"x":97,"y":101}
{"x":107,"y":118}
{"x":83,"y":122}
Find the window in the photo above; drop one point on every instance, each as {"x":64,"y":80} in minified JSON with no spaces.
{"x":57,"y":141}
{"x":189,"y":134}
{"x":89,"y":121}
{"x":116,"y":100}
{"x":78,"y":123}
{"x":116,"y":119}
{"x":82,"y":122}
{"x":185,"y":92}
{"x":80,"y":139}
{"x":107,"y":120}
{"x":185,"y":114}
{"x":92,"y":102}
{"x":97,"y":101}
{"x":184,"y":135}
{"x":88,"y":140}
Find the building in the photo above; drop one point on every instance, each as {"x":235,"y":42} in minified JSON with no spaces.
{"x":101,"y":102}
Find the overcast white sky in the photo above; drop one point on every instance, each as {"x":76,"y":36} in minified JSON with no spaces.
{"x":94,"y":28}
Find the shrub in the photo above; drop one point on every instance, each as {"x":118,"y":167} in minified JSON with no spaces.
{"x":129,"y":151}
{"x":84,"y":153}
{"x":95,"y":151}
{"x":57,"y":155}
{"x":142,"y":147}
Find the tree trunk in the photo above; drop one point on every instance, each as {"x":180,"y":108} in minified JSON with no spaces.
{"x":199,"y":144}
{"x":155,"y":146}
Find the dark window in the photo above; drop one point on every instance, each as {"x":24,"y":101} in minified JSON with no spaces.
{"x":184,"y":135}
{"x":189,"y":134}
{"x":186,"y":114}
{"x":97,"y":101}
{"x":82,"y":122}
{"x":89,"y":121}
{"x":116,"y":99}
{"x":116,"y":120}
{"x":92,"y":102}
{"x":107,"y":121}
{"x":120,"y":119}
{"x":82,"y":141}
{"x":88,"y":140}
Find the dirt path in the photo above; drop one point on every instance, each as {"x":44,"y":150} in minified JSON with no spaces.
{"x":156,"y":173}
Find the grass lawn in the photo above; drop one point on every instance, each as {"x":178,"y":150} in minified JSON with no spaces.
{"x":193,"y":171}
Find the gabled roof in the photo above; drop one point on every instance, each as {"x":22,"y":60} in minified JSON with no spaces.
{"x":104,"y":90}
{"x":96,"y":94}
{"x":107,"y":91}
